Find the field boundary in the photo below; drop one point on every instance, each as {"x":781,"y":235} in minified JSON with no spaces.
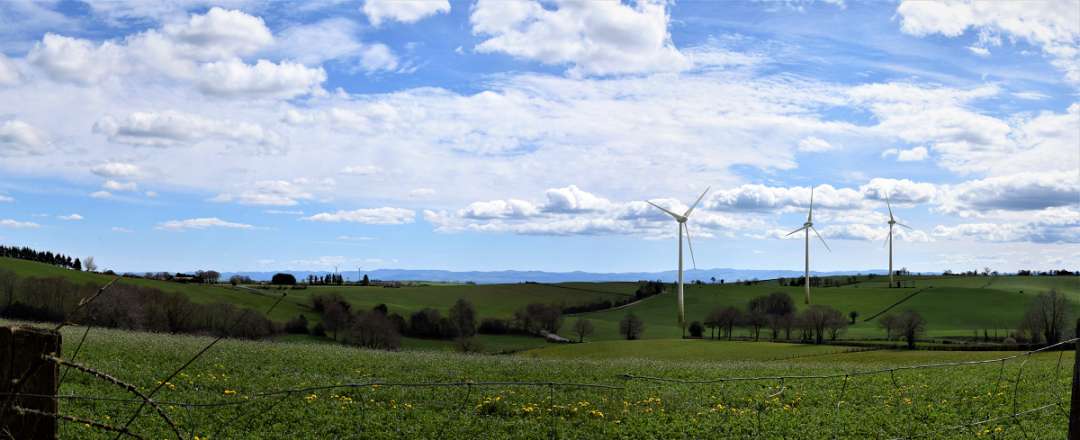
{"x":897,"y":303}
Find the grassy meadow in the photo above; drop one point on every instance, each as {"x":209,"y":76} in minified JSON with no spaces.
{"x":239,"y":373}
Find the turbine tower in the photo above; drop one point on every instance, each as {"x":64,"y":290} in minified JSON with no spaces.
{"x":681,"y":225}
{"x":889,"y":239}
{"x":809,"y":225}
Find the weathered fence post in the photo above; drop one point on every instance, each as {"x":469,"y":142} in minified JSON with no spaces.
{"x":1074,"y":407}
{"x":25,"y":381}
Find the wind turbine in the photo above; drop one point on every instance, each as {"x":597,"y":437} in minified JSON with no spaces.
{"x":889,"y":239}
{"x":809,"y":225}
{"x":681,"y":220}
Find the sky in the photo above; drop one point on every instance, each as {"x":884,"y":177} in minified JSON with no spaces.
{"x":494,"y":135}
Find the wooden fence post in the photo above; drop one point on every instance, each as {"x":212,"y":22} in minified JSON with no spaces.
{"x":1074,"y":407}
{"x":23,"y":371}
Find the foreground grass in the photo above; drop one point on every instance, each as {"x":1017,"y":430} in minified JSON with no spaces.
{"x":879,"y":406}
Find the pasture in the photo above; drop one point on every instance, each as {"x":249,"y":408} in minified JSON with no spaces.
{"x":302,"y":390}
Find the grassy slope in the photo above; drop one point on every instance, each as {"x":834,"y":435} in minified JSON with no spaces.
{"x":491,"y":300}
{"x":872,"y":406}
{"x":197,"y":293}
{"x":681,"y":350}
{"x":952,"y":306}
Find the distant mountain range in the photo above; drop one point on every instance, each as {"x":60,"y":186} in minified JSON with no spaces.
{"x":518,"y":276}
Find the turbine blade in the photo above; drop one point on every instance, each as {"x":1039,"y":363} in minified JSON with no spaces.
{"x":690,"y":243}
{"x":663,"y":209}
{"x":819,"y":238}
{"x":797,"y":230}
{"x":886,"y":241}
{"x":906,"y":226}
{"x":810,"y":216}
{"x":889,"y":204}
{"x":702,"y":196}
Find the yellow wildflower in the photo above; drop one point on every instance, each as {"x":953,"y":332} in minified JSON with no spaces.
{"x":229,"y":392}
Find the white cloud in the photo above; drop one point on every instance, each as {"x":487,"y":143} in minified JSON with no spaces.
{"x":899,"y":190}
{"x":964,"y":140}
{"x":422,"y":192}
{"x":354,"y":238}
{"x":6,"y":199}
{"x":101,"y":195}
{"x":8,"y":223}
{"x":597,"y":38}
{"x":70,"y":217}
{"x":263,"y":79}
{"x":1031,"y":96}
{"x":113,"y":185}
{"x":18,"y":138}
{"x":360,"y":170}
{"x":979,"y":51}
{"x":283,"y":212}
{"x":1016,"y":192}
{"x":765,"y":198}
{"x":121,"y":229}
{"x":221,"y":33}
{"x":205,"y":51}
{"x":371,"y":216}
{"x":312,"y":44}
{"x":405,"y":11}
{"x":378,"y":57}
{"x":1052,"y":225}
{"x":512,"y":208}
{"x":814,"y":145}
{"x":116,"y":170}
{"x":573,"y":199}
{"x":9,"y":73}
{"x":172,"y":128}
{"x":273,"y":193}
{"x":200,"y":223}
{"x":913,"y":155}
{"x":76,"y":60}
{"x":1053,"y":26}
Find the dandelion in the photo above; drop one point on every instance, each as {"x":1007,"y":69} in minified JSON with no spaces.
{"x":596,"y":414}
{"x":229,"y":392}
{"x":311,"y":397}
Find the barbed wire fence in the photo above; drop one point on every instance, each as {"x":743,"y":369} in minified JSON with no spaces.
{"x":762,"y":406}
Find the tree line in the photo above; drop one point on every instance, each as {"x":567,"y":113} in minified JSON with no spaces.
{"x":47,"y":257}
{"x":125,"y":306}
{"x":645,"y":289}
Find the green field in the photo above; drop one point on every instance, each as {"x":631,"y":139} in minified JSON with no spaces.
{"x":239,"y":373}
{"x":952,"y":306}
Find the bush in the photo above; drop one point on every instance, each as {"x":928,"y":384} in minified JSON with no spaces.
{"x":493,"y":326}
{"x":318,"y":330}
{"x":373,"y":330}
{"x":297,"y":326}
{"x":631,"y":327}
{"x":696,"y":329}
{"x":283,"y":279}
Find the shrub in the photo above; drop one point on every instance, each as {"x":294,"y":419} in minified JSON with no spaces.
{"x":319,"y":330}
{"x":283,"y":279}
{"x":696,"y":329}
{"x":631,"y":327}
{"x":297,"y":326}
{"x":373,"y":330}
{"x":493,"y":326}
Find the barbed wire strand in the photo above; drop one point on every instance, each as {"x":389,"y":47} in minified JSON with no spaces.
{"x":126,"y":386}
{"x":194,"y":358}
{"x":88,"y":422}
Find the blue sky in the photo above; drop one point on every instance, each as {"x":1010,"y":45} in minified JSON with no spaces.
{"x":528,"y":135}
